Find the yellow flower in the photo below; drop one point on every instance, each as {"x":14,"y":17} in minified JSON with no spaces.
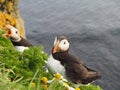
{"x":44,"y":80}
{"x":12,"y":21}
{"x":3,"y":19}
{"x":66,"y":84}
{"x":58,"y":76}
{"x":45,"y":86}
{"x":32,"y":84}
{"x":77,"y":89}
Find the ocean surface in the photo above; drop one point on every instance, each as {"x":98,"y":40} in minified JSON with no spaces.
{"x":92,"y":27}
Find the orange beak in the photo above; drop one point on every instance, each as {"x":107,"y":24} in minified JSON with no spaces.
{"x":56,"y":48}
{"x":8,"y":34}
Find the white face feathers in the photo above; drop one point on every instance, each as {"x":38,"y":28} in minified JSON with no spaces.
{"x":64,"y":45}
{"x":60,"y":44}
{"x":55,"y":41}
{"x":14,"y":33}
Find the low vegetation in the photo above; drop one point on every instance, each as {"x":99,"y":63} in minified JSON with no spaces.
{"x":25,"y":71}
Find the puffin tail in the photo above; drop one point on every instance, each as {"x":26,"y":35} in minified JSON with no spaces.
{"x":92,"y":76}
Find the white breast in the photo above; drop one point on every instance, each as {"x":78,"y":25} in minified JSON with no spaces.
{"x":20,"y":48}
{"x":54,"y":66}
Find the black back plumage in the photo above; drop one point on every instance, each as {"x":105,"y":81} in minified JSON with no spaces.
{"x":76,"y":70}
{"x":22,"y":42}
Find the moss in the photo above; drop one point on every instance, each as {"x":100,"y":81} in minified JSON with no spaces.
{"x":4,"y":42}
{"x":90,"y":87}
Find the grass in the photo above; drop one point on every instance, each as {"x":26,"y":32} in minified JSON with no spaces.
{"x":24,"y":71}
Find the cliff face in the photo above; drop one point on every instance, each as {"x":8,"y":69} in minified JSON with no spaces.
{"x":9,"y":14}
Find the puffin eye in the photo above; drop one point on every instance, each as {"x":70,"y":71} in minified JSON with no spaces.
{"x":16,"y":32}
{"x":64,"y":42}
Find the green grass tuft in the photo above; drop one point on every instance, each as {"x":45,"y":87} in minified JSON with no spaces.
{"x":57,"y":85}
{"x":90,"y":87}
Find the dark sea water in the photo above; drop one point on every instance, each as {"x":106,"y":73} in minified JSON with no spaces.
{"x":92,"y":27}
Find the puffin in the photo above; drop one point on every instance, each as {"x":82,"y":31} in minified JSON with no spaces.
{"x":19,"y":42}
{"x":73,"y":67}
{"x":54,"y":66}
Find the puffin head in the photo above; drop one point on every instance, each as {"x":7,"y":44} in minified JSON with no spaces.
{"x":12,"y":33}
{"x":61,"y":44}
